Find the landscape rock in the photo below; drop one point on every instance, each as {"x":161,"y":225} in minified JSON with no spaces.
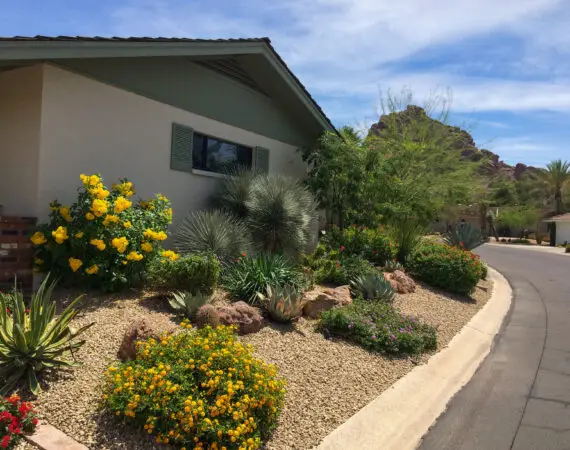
{"x":404,"y":284}
{"x":247,"y":318}
{"x":139,"y":331}
{"x":322,"y":299}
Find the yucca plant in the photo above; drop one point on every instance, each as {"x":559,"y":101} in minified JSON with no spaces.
{"x":35,"y":339}
{"x":392,"y":266}
{"x":373,"y":287}
{"x":283,"y":303}
{"x":188,"y":303}
{"x":234,"y":192}
{"x":213,"y":232}
{"x":465,"y":236}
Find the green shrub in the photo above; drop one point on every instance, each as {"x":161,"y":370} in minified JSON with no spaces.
{"x":520,"y":241}
{"x":103,"y":239}
{"x":17,"y":418}
{"x":195,"y":273}
{"x":250,"y":275}
{"x":214,"y":232}
{"x":465,"y":236}
{"x":196,"y":388}
{"x":373,"y":286}
{"x":379,"y":327}
{"x":445,"y":267}
{"x":392,"y":266}
{"x":335,"y":266}
{"x":407,"y":233}
{"x":35,"y":339}
{"x":373,"y":244}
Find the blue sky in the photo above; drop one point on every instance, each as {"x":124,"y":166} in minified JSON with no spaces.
{"x":506,"y":62}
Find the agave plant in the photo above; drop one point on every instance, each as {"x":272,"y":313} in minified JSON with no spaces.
{"x":466,"y":236}
{"x":373,"y":287}
{"x":187,"y":302}
{"x":35,"y":339}
{"x":213,"y":232}
{"x":392,"y":266}
{"x":283,"y":303}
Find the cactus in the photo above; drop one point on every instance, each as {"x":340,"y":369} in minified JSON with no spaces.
{"x":188,"y":303}
{"x":392,"y":266}
{"x":373,"y":287}
{"x":283,"y":303}
{"x":207,"y":315}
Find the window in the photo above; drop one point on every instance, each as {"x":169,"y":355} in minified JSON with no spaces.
{"x":215,"y":155}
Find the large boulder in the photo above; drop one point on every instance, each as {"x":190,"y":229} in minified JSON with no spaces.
{"x":322,"y":299}
{"x":401,"y":282}
{"x":139,"y":330}
{"x":247,"y":318}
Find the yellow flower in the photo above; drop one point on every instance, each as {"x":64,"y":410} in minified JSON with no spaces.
{"x":100,"y":192}
{"x":79,"y":235}
{"x":121,"y":203}
{"x":38,"y":238}
{"x":98,"y":243}
{"x":169,"y":254}
{"x":125,"y":188}
{"x":127,"y":224}
{"x":146,"y":246}
{"x":38,"y":261}
{"x":64,"y":211}
{"x":120,"y":244}
{"x":99,"y":207}
{"x":90,"y":180}
{"x":162,"y":197}
{"x":92,"y":270}
{"x":75,"y":264}
{"x":110,"y":218}
{"x":134,"y":256}
{"x":60,"y":235}
{"x":157,"y":236}
{"x":89,"y":216}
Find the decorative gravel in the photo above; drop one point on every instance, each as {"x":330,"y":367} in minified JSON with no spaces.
{"x":328,"y":380}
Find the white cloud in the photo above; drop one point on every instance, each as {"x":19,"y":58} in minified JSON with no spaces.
{"x":526,"y":148}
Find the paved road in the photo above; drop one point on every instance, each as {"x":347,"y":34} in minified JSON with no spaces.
{"x":519,"y":398}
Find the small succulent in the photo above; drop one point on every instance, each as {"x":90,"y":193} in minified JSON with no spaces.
{"x":188,"y":303}
{"x":283,"y":303}
{"x":373,"y":287}
{"x":392,"y":266}
{"x":207,"y":315}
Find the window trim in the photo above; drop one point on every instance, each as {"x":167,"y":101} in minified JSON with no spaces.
{"x":201,"y":171}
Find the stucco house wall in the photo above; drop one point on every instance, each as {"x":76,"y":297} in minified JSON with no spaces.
{"x":89,"y":126}
{"x":20,"y":121}
{"x":562,"y":232}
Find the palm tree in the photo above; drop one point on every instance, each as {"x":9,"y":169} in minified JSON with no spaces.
{"x":557,"y":175}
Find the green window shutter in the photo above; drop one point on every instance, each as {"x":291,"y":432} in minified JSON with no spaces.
{"x":181,"y":148}
{"x":261,"y":159}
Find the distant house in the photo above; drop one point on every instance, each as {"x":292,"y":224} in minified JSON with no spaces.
{"x":169,"y":114}
{"x":559,"y":227}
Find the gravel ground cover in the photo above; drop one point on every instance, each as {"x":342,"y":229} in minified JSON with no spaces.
{"x":328,"y":380}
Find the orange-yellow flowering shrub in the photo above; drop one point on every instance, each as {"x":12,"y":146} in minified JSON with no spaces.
{"x":197,"y":389}
{"x":105,"y":239}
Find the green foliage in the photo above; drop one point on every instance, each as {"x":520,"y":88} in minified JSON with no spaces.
{"x":518,"y":217}
{"x":373,"y":287}
{"x":283,"y":303}
{"x":392,"y":266}
{"x":520,"y":241}
{"x":379,"y":327}
{"x":407,"y":233}
{"x":235,"y":191}
{"x":12,"y":298}
{"x":187,"y":303}
{"x":250,"y":275}
{"x":466,"y":236}
{"x":449,"y":268}
{"x":557,"y":177}
{"x":213,"y":232}
{"x":238,"y":399}
{"x":196,"y":273}
{"x":33,"y":340}
{"x":372,"y":244}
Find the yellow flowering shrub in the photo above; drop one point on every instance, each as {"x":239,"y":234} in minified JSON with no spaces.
{"x":105,"y":239}
{"x":197,"y":389}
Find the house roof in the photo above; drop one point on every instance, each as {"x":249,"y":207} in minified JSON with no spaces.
{"x":24,"y":48}
{"x":559,"y":218}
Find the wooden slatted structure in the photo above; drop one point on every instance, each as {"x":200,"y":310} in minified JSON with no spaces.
{"x":16,"y":252}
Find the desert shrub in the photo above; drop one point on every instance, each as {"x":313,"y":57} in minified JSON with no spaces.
{"x":196,"y":388}
{"x":214,"y":232}
{"x":103,"y":239}
{"x":449,"y":268}
{"x":207,"y":315}
{"x":379,"y":327}
{"x":373,"y":286}
{"x":407,"y":234}
{"x":16,"y":419}
{"x":567,"y":249}
{"x":466,"y":236}
{"x":519,"y":241}
{"x":392,"y":266}
{"x":335,"y":266}
{"x":195,"y":273}
{"x":188,"y":303}
{"x":373,"y":244}
{"x":34,"y":339}
{"x":283,"y":303}
{"x":250,"y":275}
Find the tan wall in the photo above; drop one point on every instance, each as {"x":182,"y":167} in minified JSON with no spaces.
{"x":90,"y":127}
{"x":20,"y":106}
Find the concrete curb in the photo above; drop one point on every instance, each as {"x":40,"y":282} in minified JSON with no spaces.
{"x":401,"y":415}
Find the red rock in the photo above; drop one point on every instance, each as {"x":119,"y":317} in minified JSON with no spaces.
{"x":322,"y":299}
{"x":247,"y":318}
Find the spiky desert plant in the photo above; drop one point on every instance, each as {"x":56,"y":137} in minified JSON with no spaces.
{"x":283,"y":303}
{"x":35,"y":339}
{"x":234,"y":191}
{"x":407,"y":233}
{"x":187,"y":303}
{"x":207,"y":315}
{"x":465,"y":236}
{"x":392,"y":266}
{"x":214,"y":232}
{"x":373,"y":287}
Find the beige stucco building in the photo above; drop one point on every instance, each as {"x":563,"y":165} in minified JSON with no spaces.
{"x":168,"y":114}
